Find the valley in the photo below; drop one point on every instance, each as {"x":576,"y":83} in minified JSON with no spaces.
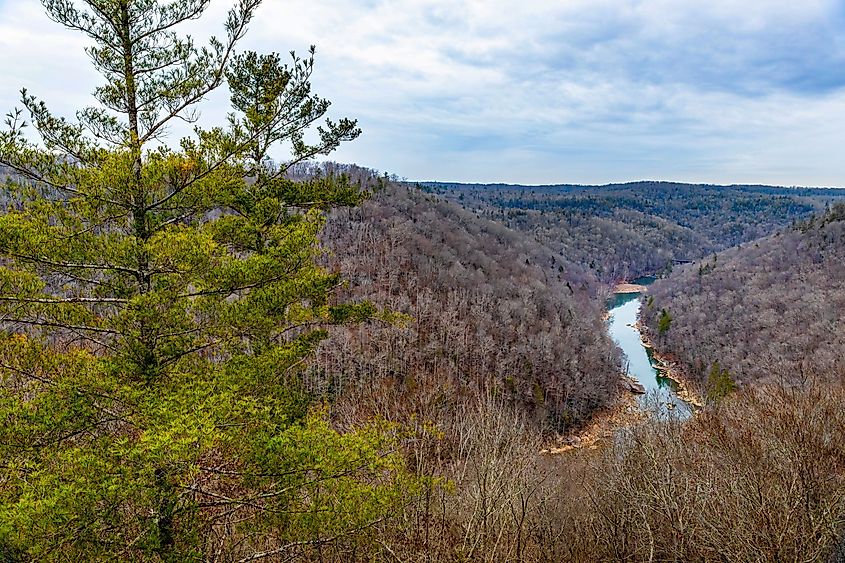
{"x":658,"y":392}
{"x":623,"y":231}
{"x":584,"y":408}
{"x":218,"y":345}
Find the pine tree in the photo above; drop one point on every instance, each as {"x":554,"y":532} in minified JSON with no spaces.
{"x":157,"y":303}
{"x":720,"y":383}
{"x":664,"y":322}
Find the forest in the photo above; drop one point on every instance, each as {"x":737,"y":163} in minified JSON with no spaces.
{"x":210,"y":353}
{"x":765,"y":311}
{"x":490,"y":311}
{"x":624,"y":231}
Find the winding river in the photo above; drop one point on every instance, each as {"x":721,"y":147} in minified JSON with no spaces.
{"x":623,"y":309}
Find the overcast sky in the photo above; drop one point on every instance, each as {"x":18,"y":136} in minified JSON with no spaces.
{"x":534,"y":91}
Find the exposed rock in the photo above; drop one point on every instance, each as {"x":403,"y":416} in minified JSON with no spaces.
{"x":635,"y":386}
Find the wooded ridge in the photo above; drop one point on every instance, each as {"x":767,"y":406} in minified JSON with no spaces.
{"x":770,"y":310}
{"x":623,"y":231}
{"x":212,"y":354}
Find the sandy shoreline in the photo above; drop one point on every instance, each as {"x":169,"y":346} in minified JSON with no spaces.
{"x":629,"y":288}
{"x":624,"y":413}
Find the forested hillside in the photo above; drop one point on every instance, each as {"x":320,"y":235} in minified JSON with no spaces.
{"x":626,"y":230}
{"x":210,"y":353}
{"x":490,"y":309}
{"x":769,"y":310}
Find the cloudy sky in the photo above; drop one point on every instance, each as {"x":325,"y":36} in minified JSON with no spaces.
{"x":535,"y":91}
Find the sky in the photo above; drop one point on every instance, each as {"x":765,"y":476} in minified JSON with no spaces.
{"x":532,"y":91}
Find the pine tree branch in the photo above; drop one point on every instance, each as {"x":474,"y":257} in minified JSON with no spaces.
{"x":66,"y":326}
{"x":238,"y":22}
{"x":75,"y":265}
{"x":26,"y":374}
{"x":86,"y":30}
{"x":61,"y":300}
{"x":172,"y":221}
{"x":29,"y":174}
{"x":178,"y":356}
{"x":168,"y":24}
{"x":235,"y":289}
{"x":210,"y":169}
{"x":287,"y":547}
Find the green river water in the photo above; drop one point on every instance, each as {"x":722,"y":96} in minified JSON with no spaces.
{"x":660,"y":392}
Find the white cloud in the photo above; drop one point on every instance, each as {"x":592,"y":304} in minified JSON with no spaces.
{"x":536,"y":91}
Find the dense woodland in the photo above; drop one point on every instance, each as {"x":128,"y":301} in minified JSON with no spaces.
{"x":768,"y":310}
{"x":490,"y":311}
{"x":650,"y":495}
{"x":623,"y":231}
{"x":210,"y":354}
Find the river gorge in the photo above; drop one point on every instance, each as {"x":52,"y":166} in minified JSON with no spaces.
{"x":639,"y":363}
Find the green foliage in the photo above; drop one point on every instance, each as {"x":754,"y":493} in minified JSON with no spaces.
{"x":90,"y":457}
{"x":720,"y":383}
{"x":158,"y":302}
{"x":664,"y":322}
{"x":705,"y":268}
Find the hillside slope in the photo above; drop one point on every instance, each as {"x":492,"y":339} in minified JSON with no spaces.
{"x":492,"y":312}
{"x":627,"y":230}
{"x":770,"y":310}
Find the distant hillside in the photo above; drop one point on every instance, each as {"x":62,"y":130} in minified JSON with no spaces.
{"x":627,"y":230}
{"x":492,"y":311}
{"x":770,"y":310}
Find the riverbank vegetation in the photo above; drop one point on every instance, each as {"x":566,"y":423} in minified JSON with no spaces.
{"x":489,"y":311}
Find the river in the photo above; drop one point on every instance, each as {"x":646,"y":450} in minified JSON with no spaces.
{"x":623,"y":309}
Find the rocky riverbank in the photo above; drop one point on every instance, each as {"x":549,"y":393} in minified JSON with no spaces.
{"x":671,"y":369}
